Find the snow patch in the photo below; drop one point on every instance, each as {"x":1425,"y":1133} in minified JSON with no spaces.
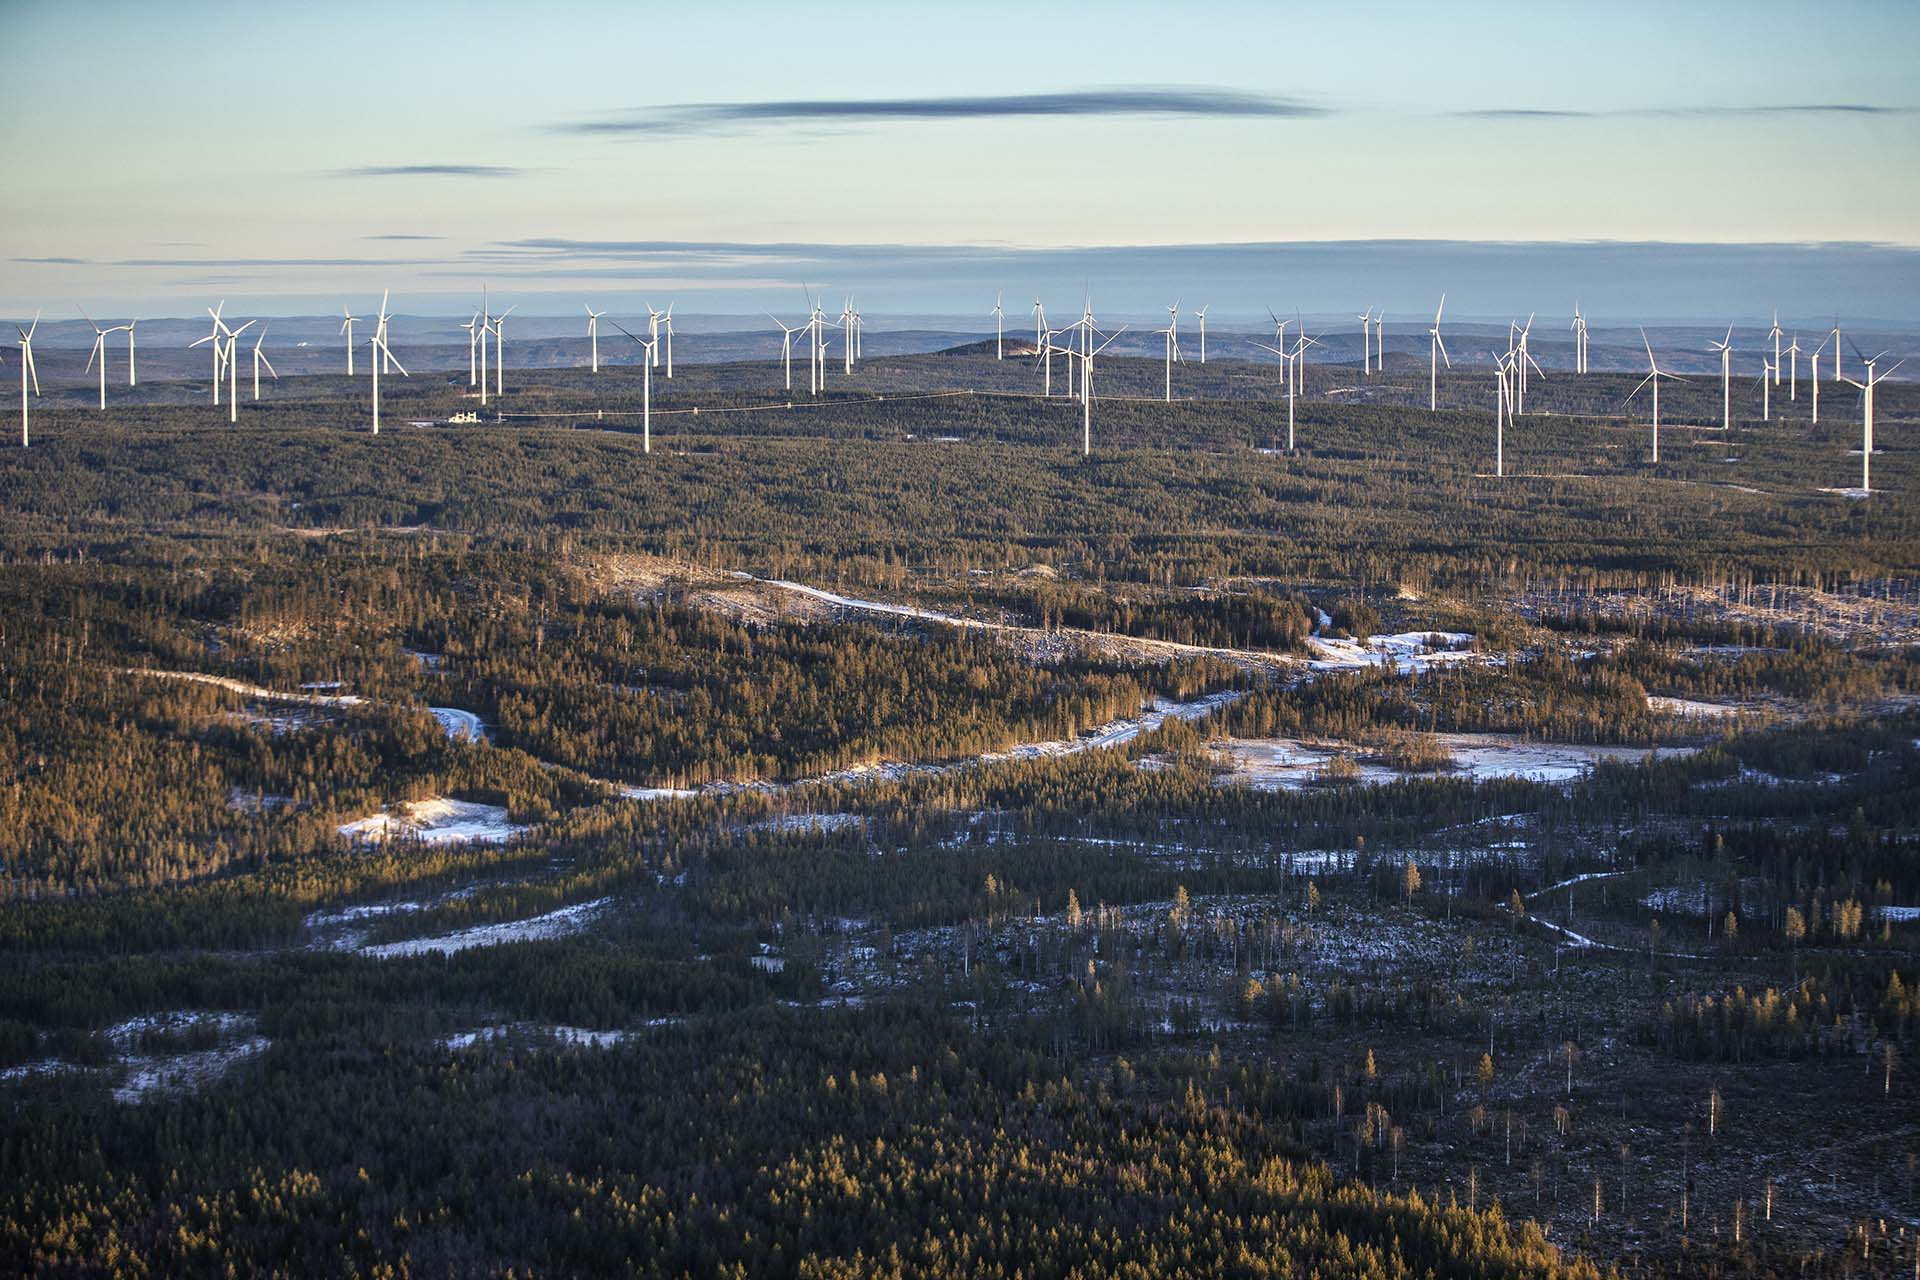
{"x":437,"y":821}
{"x":554,"y":924}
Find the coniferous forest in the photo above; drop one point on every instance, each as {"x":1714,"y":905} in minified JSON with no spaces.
{"x":876,"y":841}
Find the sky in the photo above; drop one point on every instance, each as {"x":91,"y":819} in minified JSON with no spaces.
{"x":286,"y":157}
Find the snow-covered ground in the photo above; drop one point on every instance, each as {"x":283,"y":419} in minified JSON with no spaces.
{"x":1692,"y":710}
{"x":656,"y":793}
{"x":246,"y":690}
{"x":1410,"y":651}
{"x":554,"y":924}
{"x":460,"y":725}
{"x":140,"y":1072}
{"x":821,"y":823}
{"x":1287,"y":764}
{"x":437,"y":821}
{"x":568,"y":1037}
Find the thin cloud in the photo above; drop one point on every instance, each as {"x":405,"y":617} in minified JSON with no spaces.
{"x":1623,"y":113}
{"x":57,"y":262}
{"x":700,"y":117}
{"x":430,"y":171}
{"x":402,"y":236}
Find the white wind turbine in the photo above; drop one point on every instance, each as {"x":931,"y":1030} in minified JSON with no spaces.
{"x":233,"y":371}
{"x":1769,"y":374}
{"x":219,"y":350}
{"x":380,"y":332}
{"x":647,"y":351}
{"x":1436,"y":352}
{"x":1725,"y":348}
{"x":666,"y":319}
{"x":1523,"y":360}
{"x":260,"y":358}
{"x":786,"y":344}
{"x":1837,"y":379}
{"x":593,"y":334}
{"x":1793,"y":367}
{"x":1286,"y":373}
{"x":847,"y":329}
{"x":1579,"y":340}
{"x":473,"y":359}
{"x":1040,"y":330}
{"x":1086,"y":382}
{"x":999,"y":327}
{"x":1814,"y":381}
{"x":1502,"y":412}
{"x":1296,"y":372}
{"x":1173,"y":345}
{"x":27,"y":371}
{"x":500,"y":351}
{"x":1774,"y":333}
{"x":1202,"y":316}
{"x":99,"y":353}
{"x":1046,"y":347}
{"x":1866,"y":414}
{"x":346,"y":327}
{"x":1654,"y":374}
{"x":1366,"y":341}
{"x":1380,"y":341}
{"x":377,"y":355}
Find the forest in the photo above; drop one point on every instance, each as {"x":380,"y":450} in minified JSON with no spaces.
{"x":819,"y":848}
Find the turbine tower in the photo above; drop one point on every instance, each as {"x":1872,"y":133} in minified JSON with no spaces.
{"x":1837,"y":379}
{"x":1202,"y":314}
{"x":1366,"y":341}
{"x":1866,"y":415}
{"x":999,"y":327}
{"x":1725,"y":348}
{"x":1814,"y":380}
{"x":593,"y":334}
{"x":99,"y":353}
{"x":1793,"y":367}
{"x":27,"y":371}
{"x":1579,"y":340}
{"x":1436,"y":352}
{"x":500,"y":351}
{"x":1502,"y":411}
{"x":648,"y":350}
{"x":1380,"y":341}
{"x":1774,"y":333}
{"x":1654,"y":374}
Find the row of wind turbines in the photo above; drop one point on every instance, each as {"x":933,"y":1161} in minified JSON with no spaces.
{"x":1078,"y":343}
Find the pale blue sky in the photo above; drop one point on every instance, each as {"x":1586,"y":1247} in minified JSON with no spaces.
{"x":225,"y":148}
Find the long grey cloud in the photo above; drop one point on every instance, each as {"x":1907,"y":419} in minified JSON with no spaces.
{"x":699,"y":117}
{"x":1622,"y":113}
{"x":429,"y":171}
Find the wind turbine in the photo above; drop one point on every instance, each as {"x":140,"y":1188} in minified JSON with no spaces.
{"x":847,"y":329}
{"x":999,"y":327}
{"x":376,"y":356}
{"x":1793,"y":368}
{"x":1380,"y":341}
{"x":99,"y":353}
{"x":1767,"y":371}
{"x":647,"y":352}
{"x":346,"y":327}
{"x":1836,"y":352}
{"x":130,"y":377}
{"x":500,"y":351}
{"x":1579,"y":340}
{"x":233,"y":372}
{"x":219,"y":329}
{"x":1814,"y":381}
{"x":1436,"y":352}
{"x":1203,"y":334}
{"x":1173,"y":345}
{"x":1040,"y":329}
{"x":380,"y":332}
{"x":1774,"y":333}
{"x":667,"y":319}
{"x":260,"y":358}
{"x":1725,"y":348}
{"x":1086,"y":383}
{"x":1366,"y":341}
{"x":786,"y":344}
{"x":1502,"y":410}
{"x":1866,"y":415}
{"x":472,"y":339}
{"x":1655,"y":373}
{"x":1524,"y":359}
{"x":27,"y":371}
{"x":593,"y":334}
